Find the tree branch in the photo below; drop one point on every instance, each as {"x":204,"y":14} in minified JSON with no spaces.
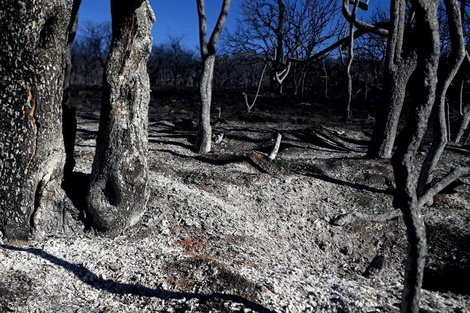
{"x":351,"y":18}
{"x":445,"y":181}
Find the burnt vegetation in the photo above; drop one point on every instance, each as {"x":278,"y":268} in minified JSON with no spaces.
{"x":374,"y":101}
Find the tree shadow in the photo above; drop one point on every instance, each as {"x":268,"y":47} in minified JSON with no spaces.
{"x":90,"y":133}
{"x":458,"y":150}
{"x":218,"y":160}
{"x":387,"y":191}
{"x":114,"y":287}
{"x":173,"y":143}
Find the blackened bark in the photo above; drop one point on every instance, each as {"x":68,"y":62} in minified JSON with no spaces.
{"x":388,"y":117}
{"x":119,"y":182}
{"x":32,"y":61}
{"x":405,"y":169}
{"x":446,"y":74}
{"x":400,"y":63}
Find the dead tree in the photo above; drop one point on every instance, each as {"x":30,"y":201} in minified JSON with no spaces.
{"x":119,"y":180}
{"x":34,"y":44}
{"x":284,"y":32}
{"x":249,"y":106}
{"x":347,"y":114}
{"x":412,"y":191}
{"x":400,"y":63}
{"x":208,"y":53}
{"x":446,"y":74}
{"x":403,"y":161}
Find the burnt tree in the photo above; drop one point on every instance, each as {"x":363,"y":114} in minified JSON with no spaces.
{"x":413,"y":190}
{"x":119,"y":181}
{"x":34,"y":36}
{"x":414,"y":47}
{"x":208,"y":53}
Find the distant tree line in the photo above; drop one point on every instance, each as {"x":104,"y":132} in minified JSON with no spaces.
{"x":241,"y":59}
{"x":173,"y":65}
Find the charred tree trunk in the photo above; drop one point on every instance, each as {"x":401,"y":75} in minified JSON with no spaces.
{"x":208,"y":52}
{"x":400,"y":63}
{"x":405,"y":169}
{"x":446,"y":74}
{"x":347,"y":113}
{"x":118,"y":190}
{"x":388,"y":117}
{"x":34,"y":37}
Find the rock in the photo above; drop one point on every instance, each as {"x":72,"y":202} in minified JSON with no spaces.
{"x":375,"y":267}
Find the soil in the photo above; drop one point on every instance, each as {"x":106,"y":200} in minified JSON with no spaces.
{"x":232,"y":231}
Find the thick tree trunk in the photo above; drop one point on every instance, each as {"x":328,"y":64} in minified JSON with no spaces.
{"x":404,"y":163}
{"x":118,"y":191}
{"x":204,"y":136}
{"x":32,"y":61}
{"x":388,"y":117}
{"x":400,"y":63}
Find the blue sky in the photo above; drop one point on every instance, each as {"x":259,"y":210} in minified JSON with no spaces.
{"x":179,"y":17}
{"x":174,"y":17}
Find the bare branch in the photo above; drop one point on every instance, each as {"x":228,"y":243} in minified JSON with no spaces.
{"x":220,"y":23}
{"x":250,"y":106}
{"x":445,"y":181}
{"x":351,"y":18}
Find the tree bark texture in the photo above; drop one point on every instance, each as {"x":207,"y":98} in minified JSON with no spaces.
{"x":404,"y":161}
{"x":204,"y":137}
{"x":34,"y":37}
{"x":119,"y":181}
{"x":446,"y":74}
{"x":400,"y":63}
{"x":208,"y":53}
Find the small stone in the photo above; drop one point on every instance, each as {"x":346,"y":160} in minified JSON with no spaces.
{"x":375,"y":267}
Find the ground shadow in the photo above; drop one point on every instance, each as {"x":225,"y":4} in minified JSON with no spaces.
{"x":219,"y":160}
{"x":458,"y":150}
{"x":173,"y":143}
{"x":387,"y":191}
{"x":75,"y":185}
{"x":114,"y":287}
{"x":448,"y":267}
